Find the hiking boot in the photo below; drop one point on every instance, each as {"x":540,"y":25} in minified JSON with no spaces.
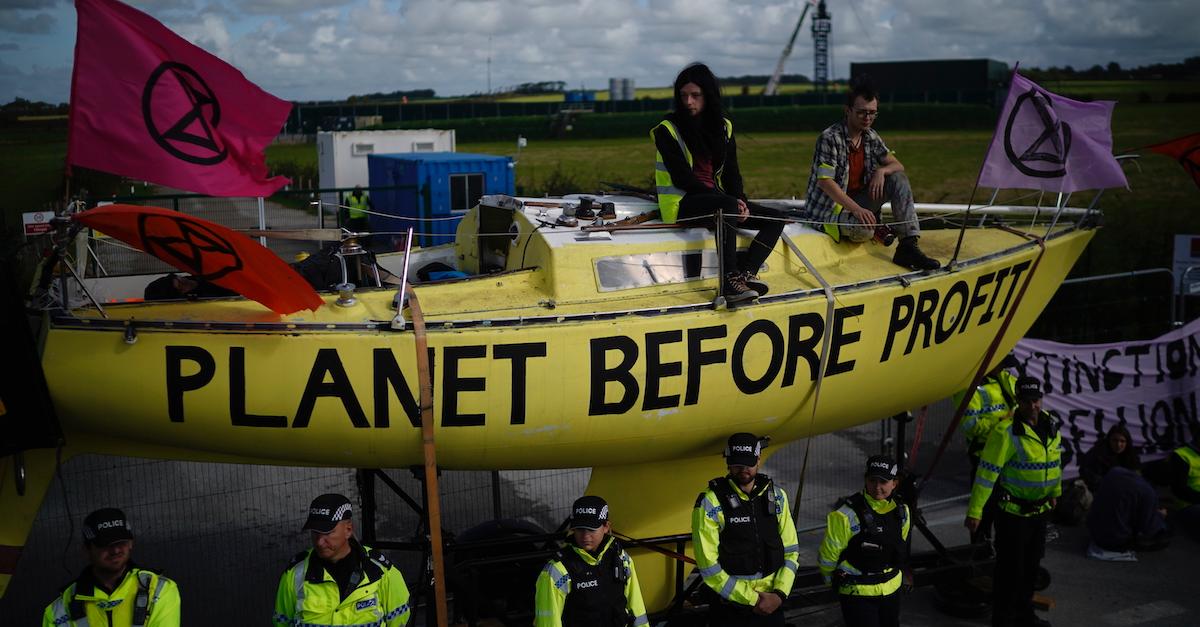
{"x":753,"y":282}
{"x":909,"y":255}
{"x":736,"y":289}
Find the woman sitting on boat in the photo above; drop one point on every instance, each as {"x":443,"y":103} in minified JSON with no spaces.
{"x":697,"y":175}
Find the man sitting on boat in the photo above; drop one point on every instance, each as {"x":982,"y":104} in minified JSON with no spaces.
{"x":696,"y":173}
{"x":853,"y":174}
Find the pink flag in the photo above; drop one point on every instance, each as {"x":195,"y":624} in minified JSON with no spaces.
{"x":147,"y":104}
{"x":1047,"y":142}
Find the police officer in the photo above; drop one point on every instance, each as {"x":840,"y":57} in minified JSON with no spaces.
{"x":357,"y":205}
{"x":993,"y":401}
{"x":745,"y":540}
{"x":339,"y":581}
{"x":113,"y":590}
{"x":1183,"y":467}
{"x":590,"y":582}
{"x":865,"y":549}
{"x":1022,"y":460}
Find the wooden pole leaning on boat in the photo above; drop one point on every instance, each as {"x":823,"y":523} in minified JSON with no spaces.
{"x":433,"y":508}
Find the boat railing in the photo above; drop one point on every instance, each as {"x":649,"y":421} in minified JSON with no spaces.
{"x":401,"y":298}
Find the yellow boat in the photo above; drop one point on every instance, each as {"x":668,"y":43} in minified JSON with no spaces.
{"x":564,"y":346}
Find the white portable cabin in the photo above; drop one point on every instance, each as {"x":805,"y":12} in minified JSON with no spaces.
{"x":342,"y":155}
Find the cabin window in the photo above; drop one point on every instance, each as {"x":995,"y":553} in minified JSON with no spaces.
{"x":465,"y":192}
{"x":362,"y":149}
{"x":663,"y":268}
{"x":422,"y":147}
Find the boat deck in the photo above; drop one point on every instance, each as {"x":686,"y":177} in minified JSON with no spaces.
{"x":556,"y":272}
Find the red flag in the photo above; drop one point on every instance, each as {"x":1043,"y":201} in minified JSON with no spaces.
{"x":1185,"y":150}
{"x":209,"y":251}
{"x":147,"y":104}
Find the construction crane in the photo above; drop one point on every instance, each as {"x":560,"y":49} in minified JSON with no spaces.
{"x":773,"y":83}
{"x":821,"y":27}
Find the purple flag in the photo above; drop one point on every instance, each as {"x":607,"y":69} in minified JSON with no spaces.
{"x":1047,"y":142}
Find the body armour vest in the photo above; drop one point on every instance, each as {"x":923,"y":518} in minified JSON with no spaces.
{"x":750,"y":542}
{"x":879,"y":544}
{"x":597,"y":595}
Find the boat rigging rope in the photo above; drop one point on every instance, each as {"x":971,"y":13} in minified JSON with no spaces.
{"x":826,"y":339}
{"x":987,"y":358}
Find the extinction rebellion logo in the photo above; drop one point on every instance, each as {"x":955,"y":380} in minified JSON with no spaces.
{"x":203,"y":252}
{"x":188,"y":113}
{"x":1043,"y":156}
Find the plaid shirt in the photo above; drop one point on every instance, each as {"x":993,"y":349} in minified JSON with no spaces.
{"x":831,"y":160}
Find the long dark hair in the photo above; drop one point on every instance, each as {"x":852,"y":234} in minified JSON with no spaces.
{"x":709,"y":133}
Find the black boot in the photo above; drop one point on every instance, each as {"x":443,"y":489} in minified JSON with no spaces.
{"x":909,"y":255}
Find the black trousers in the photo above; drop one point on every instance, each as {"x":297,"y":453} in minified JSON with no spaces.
{"x":694,"y":207}
{"x":860,"y":611}
{"x":725,"y":614}
{"x":1020,"y":545}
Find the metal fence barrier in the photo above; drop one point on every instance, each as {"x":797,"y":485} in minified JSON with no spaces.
{"x":225,"y":532}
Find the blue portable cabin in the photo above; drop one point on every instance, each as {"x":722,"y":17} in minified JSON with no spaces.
{"x":433,"y":185}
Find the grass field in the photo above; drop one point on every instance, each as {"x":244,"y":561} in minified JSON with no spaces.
{"x":942,"y":165}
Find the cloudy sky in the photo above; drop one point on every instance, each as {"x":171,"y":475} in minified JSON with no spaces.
{"x":329,"y":49}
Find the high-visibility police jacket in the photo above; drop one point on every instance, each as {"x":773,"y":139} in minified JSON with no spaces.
{"x":1189,"y":489}
{"x":669,"y":195}
{"x":143,"y":598}
{"x":711,"y":522}
{"x":1025,"y":461}
{"x":308,"y":595}
{"x":358,"y":206}
{"x":994,"y":400}
{"x":555,"y":586}
{"x":844,"y":526}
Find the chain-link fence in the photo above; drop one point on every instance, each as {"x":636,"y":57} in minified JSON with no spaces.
{"x":225,"y":532}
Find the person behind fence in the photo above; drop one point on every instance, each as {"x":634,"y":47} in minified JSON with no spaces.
{"x":865,"y":551}
{"x":1115,"y":449}
{"x":745,"y":540}
{"x":354,"y":214}
{"x":697,"y":175}
{"x":339,"y":581}
{"x":113,"y":590}
{"x":1022,"y":459}
{"x":853,"y":174}
{"x":993,"y":401}
{"x":591,"y":581}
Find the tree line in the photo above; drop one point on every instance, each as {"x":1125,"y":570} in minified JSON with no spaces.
{"x":1188,"y":69}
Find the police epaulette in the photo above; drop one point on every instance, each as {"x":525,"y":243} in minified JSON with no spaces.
{"x":296,"y":559}
{"x":379,"y":558}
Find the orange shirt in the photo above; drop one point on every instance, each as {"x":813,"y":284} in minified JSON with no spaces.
{"x":855,"y":181}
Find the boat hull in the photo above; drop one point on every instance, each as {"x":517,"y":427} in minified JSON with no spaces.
{"x":568,"y":391}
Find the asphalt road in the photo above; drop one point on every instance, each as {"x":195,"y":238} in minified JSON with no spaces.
{"x":1160,"y":589}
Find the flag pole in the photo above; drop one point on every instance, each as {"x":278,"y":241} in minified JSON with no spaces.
{"x":967,"y":216}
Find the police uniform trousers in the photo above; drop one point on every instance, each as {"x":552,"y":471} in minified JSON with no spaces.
{"x":726,"y":614}
{"x":868,"y":611}
{"x":1020,"y":545}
